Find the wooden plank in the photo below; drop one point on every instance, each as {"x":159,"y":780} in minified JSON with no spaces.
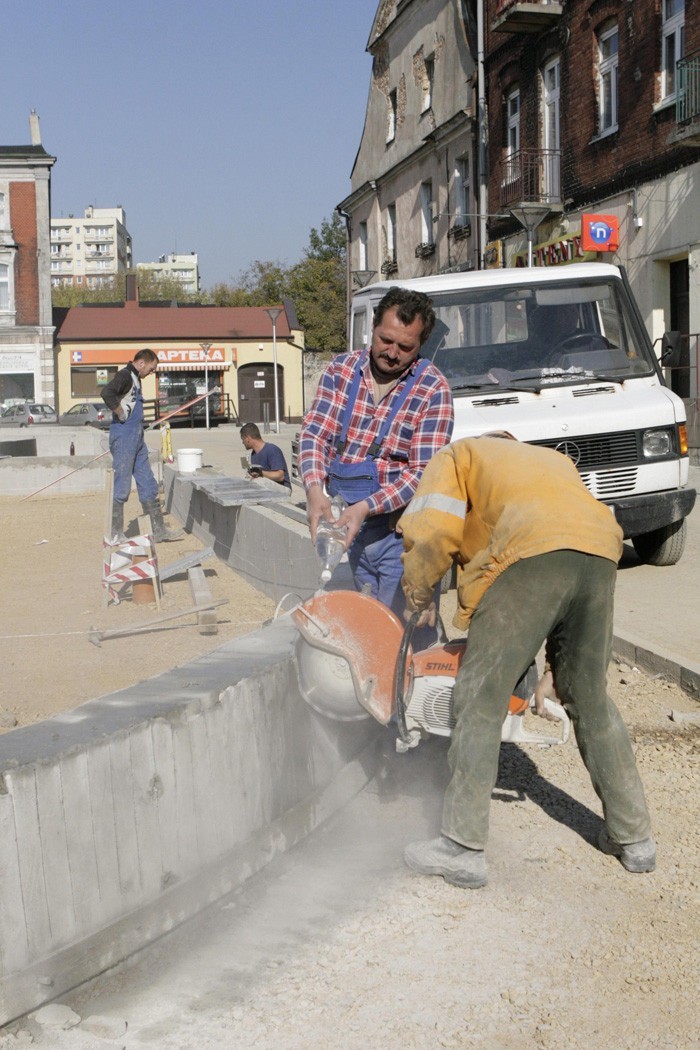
{"x":183,"y":564}
{"x":201,"y":595}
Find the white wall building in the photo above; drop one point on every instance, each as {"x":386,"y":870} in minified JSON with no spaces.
{"x":410,"y":212}
{"x":90,"y":251}
{"x":181,"y":268}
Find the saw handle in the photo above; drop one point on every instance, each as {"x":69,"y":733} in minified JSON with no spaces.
{"x":400,"y":679}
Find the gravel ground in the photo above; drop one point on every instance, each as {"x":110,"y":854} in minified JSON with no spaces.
{"x":337,"y":945}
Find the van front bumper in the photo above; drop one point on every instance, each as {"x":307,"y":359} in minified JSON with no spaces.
{"x":639,"y":514}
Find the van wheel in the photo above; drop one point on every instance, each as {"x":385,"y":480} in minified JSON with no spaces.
{"x":662,"y":546}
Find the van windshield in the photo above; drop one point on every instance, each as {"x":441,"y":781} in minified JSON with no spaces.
{"x":530,"y":337}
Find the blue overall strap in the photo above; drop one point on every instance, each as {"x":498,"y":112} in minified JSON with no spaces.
{"x":373,"y":450}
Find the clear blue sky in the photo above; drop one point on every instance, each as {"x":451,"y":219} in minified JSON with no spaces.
{"x":225,"y":127}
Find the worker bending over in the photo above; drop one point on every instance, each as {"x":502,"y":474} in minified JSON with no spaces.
{"x":536,"y":556}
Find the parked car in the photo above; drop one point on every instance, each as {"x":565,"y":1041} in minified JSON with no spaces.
{"x":27,"y":414}
{"x":86,"y":414}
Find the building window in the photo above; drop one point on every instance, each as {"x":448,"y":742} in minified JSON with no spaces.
{"x":428,"y":77}
{"x":362,"y":244}
{"x":391,"y":233}
{"x":512,"y":135}
{"x":391,"y":116}
{"x":461,"y":191}
{"x":672,"y":44}
{"x":426,"y":212}
{"x":607,"y":80}
{"x":89,"y":382}
{"x":4,"y":287}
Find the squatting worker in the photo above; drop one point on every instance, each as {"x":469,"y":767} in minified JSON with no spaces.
{"x":266,"y":460}
{"x":378,"y":417}
{"x":537,"y":557}
{"x":129,"y":452}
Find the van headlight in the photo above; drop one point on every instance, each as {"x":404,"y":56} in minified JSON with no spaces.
{"x":657,"y":443}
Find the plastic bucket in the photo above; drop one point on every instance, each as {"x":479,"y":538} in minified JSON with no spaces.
{"x":189,"y":460}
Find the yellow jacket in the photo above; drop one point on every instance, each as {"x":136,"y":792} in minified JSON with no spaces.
{"x":487,"y":502}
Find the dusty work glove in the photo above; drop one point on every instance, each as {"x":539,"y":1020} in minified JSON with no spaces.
{"x":427,"y":617}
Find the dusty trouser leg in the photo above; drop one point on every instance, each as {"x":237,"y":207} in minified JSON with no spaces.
{"x":580,"y":649}
{"x":123,"y":444}
{"x":510,"y":624}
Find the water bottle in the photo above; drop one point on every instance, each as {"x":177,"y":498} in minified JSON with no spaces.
{"x":330,"y":540}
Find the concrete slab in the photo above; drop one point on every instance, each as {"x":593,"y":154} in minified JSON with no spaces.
{"x":124,"y":817}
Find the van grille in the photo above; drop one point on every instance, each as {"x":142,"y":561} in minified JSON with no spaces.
{"x":610,"y":483}
{"x":598,"y":451}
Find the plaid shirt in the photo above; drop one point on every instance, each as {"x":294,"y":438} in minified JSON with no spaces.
{"x":419,"y":430}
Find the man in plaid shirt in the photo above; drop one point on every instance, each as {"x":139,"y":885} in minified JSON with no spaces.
{"x":403,"y":321}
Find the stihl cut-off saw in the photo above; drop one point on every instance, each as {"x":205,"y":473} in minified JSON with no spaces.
{"x":354,"y":660}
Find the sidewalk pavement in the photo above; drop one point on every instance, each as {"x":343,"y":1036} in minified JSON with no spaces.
{"x":657,"y":610}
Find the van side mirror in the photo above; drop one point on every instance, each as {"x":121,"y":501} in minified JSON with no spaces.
{"x":671,"y":349}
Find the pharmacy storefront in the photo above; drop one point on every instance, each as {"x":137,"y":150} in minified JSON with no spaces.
{"x":184,"y":374}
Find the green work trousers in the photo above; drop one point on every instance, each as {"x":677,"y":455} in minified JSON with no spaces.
{"x":566,"y":597}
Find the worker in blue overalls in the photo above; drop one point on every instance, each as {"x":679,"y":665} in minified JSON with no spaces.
{"x":129,"y":452}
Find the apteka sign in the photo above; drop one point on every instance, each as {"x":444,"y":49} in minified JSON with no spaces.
{"x":190,"y":357}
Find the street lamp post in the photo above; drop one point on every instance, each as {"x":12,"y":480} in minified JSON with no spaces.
{"x":273,"y":313}
{"x":206,"y":347}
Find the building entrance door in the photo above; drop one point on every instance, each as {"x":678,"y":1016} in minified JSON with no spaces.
{"x":256,"y":393}
{"x":680,"y":322}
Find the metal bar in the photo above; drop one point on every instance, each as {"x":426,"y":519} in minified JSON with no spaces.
{"x":96,"y":636}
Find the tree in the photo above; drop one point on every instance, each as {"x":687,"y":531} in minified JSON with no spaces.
{"x":317,"y":287}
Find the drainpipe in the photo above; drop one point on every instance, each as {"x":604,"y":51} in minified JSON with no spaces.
{"x":348,"y":279}
{"x":482,"y":131}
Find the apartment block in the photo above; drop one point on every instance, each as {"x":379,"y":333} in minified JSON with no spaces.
{"x":184,"y":269}
{"x":26,"y":329}
{"x":91,"y":250}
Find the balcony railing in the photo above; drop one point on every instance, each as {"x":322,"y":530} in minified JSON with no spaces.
{"x":531,"y":176}
{"x":514,"y":16}
{"x":688,"y":89}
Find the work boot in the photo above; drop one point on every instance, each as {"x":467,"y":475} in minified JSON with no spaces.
{"x":442,"y":856}
{"x":117,"y":533}
{"x":161,"y":534}
{"x":634,"y":856}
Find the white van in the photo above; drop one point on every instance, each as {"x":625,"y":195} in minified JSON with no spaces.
{"x":561,"y":357}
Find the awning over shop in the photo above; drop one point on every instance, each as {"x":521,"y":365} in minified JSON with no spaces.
{"x":211,"y":366}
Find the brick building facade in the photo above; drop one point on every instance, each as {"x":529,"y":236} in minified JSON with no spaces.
{"x":26,"y":329}
{"x":594,"y":108}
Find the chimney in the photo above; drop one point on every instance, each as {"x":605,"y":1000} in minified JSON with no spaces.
{"x":34,"y":128}
{"x":132,"y":288}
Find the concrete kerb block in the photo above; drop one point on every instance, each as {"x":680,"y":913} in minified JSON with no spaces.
{"x":684,"y":673}
{"x":126,"y":816}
